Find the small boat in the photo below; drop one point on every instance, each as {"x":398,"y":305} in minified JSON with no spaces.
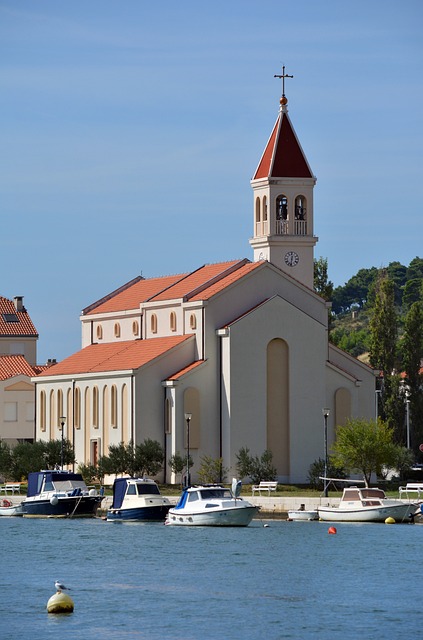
{"x":212,"y":505}
{"x":367,"y":505}
{"x":7,"y":508}
{"x":303,"y":514}
{"x":137,"y":499}
{"x":59,"y":494}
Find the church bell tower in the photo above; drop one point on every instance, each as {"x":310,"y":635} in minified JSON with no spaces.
{"x":283,"y":186}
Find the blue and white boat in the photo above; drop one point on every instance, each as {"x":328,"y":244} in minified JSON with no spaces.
{"x":212,"y":505}
{"x":59,"y":494}
{"x":137,"y":499}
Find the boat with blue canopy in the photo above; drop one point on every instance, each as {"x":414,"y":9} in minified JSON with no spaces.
{"x":137,"y":499}
{"x":59,"y":494}
{"x":212,"y":505}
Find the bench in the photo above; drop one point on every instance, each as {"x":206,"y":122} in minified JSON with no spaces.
{"x":412,"y":487}
{"x":13,"y":487}
{"x":264,"y":486}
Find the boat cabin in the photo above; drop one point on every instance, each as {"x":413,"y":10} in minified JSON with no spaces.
{"x":366,"y":497}
{"x":194,"y":494}
{"x":57,"y":482}
{"x":132,"y":488}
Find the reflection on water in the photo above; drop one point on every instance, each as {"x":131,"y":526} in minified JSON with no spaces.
{"x":287,"y":580}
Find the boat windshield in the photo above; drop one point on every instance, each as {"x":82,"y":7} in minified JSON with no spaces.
{"x":207,"y":494}
{"x":373,"y":493}
{"x":146,"y":488}
{"x":65,"y":485}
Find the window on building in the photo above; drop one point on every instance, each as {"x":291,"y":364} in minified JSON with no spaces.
{"x":95,"y":407}
{"x":113,"y":407}
{"x":59,"y":406}
{"x":43,"y":411}
{"x":77,"y":407}
{"x":172,"y":321}
{"x":10,"y":411}
{"x":99,"y":332}
{"x":153,"y":323}
{"x":193,"y":321}
{"x":135,"y":327}
{"x":117,"y":330}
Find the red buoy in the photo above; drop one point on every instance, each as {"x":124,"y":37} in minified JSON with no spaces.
{"x":332,"y":530}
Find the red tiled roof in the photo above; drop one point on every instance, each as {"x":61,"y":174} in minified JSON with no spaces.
{"x":199,"y":279}
{"x":16,"y":365}
{"x":185,"y":370}
{"x":283,"y":156}
{"x":21,"y":324}
{"x":132,"y":296}
{"x":115,"y":356}
{"x":217,"y":287}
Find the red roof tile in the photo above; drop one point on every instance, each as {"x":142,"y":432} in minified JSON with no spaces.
{"x":13,"y":322}
{"x":198,"y":280}
{"x":115,"y":356}
{"x":283,"y":156}
{"x":217,"y":287}
{"x":185,"y":370}
{"x":16,"y":365}
{"x":130,"y":297}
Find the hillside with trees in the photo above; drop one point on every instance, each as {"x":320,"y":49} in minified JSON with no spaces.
{"x":377,"y":316}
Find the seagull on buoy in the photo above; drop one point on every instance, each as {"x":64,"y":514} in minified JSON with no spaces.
{"x":60,"y":586}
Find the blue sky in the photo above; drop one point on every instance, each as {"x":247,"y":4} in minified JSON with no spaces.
{"x":130,"y":131}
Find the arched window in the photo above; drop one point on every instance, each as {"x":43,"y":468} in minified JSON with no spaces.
{"x":99,"y":332}
{"x":51,"y":409}
{"x":281,"y":215}
{"x":117,"y":330}
{"x":192,"y":321}
{"x":300,"y":216}
{"x":153,"y":323}
{"x":135,"y":327}
{"x":87,"y":410}
{"x":113,"y":406}
{"x":172,"y":321}
{"x":258,"y":217}
{"x":59,"y":406}
{"x":124,"y":413}
{"x":95,"y":407}
{"x":43,"y":410}
{"x":77,"y":407}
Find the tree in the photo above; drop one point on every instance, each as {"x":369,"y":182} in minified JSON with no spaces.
{"x":364,"y":446}
{"x":255,"y":468}
{"x":383,"y":327}
{"x":33,"y":456}
{"x":149,"y":457}
{"x":412,"y":354}
{"x":317,"y":471}
{"x":322,"y":284}
{"x":212,"y":470}
{"x":120,"y":460}
{"x":5,"y":460}
{"x":177,"y":463}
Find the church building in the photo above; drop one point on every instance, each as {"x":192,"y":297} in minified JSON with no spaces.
{"x":236,"y":353}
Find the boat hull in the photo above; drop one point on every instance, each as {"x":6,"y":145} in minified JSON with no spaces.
{"x":138,"y":514}
{"x":64,"y":507}
{"x":226,"y":517}
{"x":303,"y":515}
{"x":402,"y":512}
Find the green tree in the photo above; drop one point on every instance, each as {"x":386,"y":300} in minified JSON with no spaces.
{"x":5,"y":460}
{"x":149,"y":457}
{"x":364,"y":446}
{"x":212,"y":470}
{"x":317,"y":471}
{"x":254,"y":467}
{"x":89,"y":472}
{"x":322,"y":284}
{"x":412,"y":354}
{"x":177,"y":463}
{"x":120,"y":460}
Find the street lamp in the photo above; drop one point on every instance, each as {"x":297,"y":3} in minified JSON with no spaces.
{"x":62,"y":422}
{"x":326,"y":413}
{"x":377,"y":394}
{"x":188,"y":417}
{"x":407,"y":416}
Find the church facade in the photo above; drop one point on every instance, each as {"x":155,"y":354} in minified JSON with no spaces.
{"x":242,"y":347}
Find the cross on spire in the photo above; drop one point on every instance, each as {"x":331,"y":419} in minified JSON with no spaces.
{"x":283,"y":76}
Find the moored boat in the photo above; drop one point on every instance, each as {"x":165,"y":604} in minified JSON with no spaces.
{"x":367,"y":505}
{"x":7,"y":508}
{"x":303,"y":514}
{"x":137,"y":499}
{"x":212,"y":505}
{"x":59,"y":494}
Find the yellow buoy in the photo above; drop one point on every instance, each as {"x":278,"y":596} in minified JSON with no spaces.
{"x":389,"y":520}
{"x":60,"y":603}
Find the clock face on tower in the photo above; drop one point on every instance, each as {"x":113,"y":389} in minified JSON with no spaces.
{"x":292,"y":258}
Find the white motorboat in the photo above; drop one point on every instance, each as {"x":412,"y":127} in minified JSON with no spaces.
{"x":212,"y":505}
{"x":137,"y":499}
{"x":7,"y":508}
{"x":303,"y":514}
{"x":59,"y":494}
{"x":367,"y":505}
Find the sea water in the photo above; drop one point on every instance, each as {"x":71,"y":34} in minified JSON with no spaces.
{"x":156,"y":582}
